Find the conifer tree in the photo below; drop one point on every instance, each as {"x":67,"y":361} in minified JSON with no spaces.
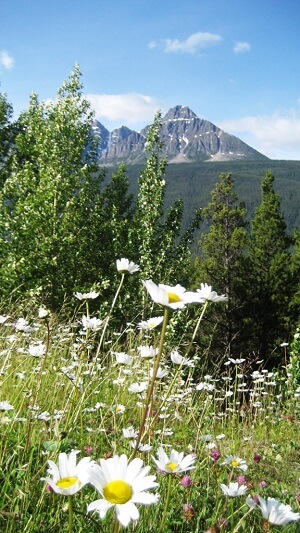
{"x":269,"y":274}
{"x":222,"y":261}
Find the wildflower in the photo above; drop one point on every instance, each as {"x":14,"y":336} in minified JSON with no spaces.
{"x":122,"y":485}
{"x":273,"y":511}
{"x":138,"y":387}
{"x":43,"y":313}
{"x":160,"y":374}
{"x":86,"y":295}
{"x":6,"y":406}
{"x":175,"y":463}
{"x":186,"y":481}
{"x":262,"y":484}
{"x":234,"y":361}
{"x":256,"y":458}
{"x":177,"y":359}
{"x":122,"y":358}
{"x":67,"y":477}
{"x":129,"y":433}
{"x":141,"y":447}
{"x":215,"y":455}
{"x":151,"y":323}
{"x":124,"y":265}
{"x":234,"y":489}
{"x":147,"y":352}
{"x":174,"y":297}
{"x":22,"y":325}
{"x":188,"y":511}
{"x":236,"y":462}
{"x":3,"y":318}
{"x":206,"y":293}
{"x":119,"y":409}
{"x":90,"y":323}
{"x":241,"y":480}
{"x":37,"y":350}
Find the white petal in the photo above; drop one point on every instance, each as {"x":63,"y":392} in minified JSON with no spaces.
{"x":126,"y":513}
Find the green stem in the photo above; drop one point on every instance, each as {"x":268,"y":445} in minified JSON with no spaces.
{"x":149,"y":396}
{"x":167,"y":501}
{"x":197,"y":327}
{"x":70,"y":514}
{"x":109,"y":314}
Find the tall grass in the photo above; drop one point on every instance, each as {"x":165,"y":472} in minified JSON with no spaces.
{"x":67,"y":386}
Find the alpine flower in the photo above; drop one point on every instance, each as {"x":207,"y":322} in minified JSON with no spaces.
{"x":206,"y":293}
{"x":234,"y":489}
{"x":174,"y":297}
{"x":124,"y":265}
{"x":273,"y":511}
{"x":175,"y":463}
{"x":122,"y":485}
{"x":236,"y":462}
{"x":67,"y":478}
{"x":86,"y":295}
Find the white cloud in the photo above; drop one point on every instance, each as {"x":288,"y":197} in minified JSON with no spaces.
{"x":128,"y":108}
{"x":241,"y":47}
{"x":196,"y":41}
{"x":6,"y":60}
{"x":277,"y":135}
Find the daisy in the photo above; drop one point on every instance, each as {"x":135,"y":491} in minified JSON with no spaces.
{"x":138,"y":387}
{"x":37,"y":350}
{"x":206,"y":293}
{"x":151,"y":323}
{"x":236,"y":462}
{"x":175,"y":463}
{"x":147,"y":352}
{"x":90,"y":323}
{"x":124,"y":265}
{"x":234,"y":489}
{"x":274,"y":511}
{"x":86,"y":295}
{"x":177,"y":359}
{"x":6,"y":406}
{"x":122,"y":358}
{"x":174,"y":297}
{"x":122,"y":485}
{"x":67,"y":478}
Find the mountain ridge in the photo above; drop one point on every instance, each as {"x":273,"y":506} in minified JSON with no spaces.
{"x":186,"y":138}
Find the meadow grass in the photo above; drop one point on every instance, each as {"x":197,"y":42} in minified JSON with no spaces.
{"x":66,"y":386}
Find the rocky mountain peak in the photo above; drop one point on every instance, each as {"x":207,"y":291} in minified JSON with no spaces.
{"x":179,"y":112}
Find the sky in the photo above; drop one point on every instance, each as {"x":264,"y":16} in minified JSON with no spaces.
{"x":235,"y":63}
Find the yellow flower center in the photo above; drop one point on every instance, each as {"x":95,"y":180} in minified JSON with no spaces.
{"x":173,"y":298}
{"x":66,"y":482}
{"x":235,"y":463}
{"x":117,"y":491}
{"x":171,"y":466}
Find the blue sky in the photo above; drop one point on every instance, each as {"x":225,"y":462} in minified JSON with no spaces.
{"x":235,"y":63}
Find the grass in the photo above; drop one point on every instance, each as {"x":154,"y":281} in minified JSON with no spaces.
{"x":60,"y":392}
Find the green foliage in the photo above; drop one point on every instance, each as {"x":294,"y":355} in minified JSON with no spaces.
{"x":222,"y":261}
{"x":270,"y":277}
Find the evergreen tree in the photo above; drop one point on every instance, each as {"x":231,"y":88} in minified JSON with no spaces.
{"x":222,"y":262}
{"x":269,"y":274}
{"x":7,"y":132}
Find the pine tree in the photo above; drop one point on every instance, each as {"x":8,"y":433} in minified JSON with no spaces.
{"x":222,"y":261}
{"x":270,"y":275}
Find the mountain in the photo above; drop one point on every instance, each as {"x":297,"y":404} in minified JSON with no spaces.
{"x":186,"y":139}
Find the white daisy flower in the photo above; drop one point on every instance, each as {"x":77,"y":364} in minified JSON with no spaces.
{"x":174,"y":297}
{"x":234,"y":489}
{"x":274,"y":511}
{"x":6,"y":406}
{"x":138,"y":387}
{"x":206,"y":293}
{"x":177,"y":359}
{"x":147,"y":352}
{"x":37,"y":350}
{"x":151,"y":323}
{"x":67,"y":478}
{"x":124,"y":265}
{"x":122,"y":358}
{"x":129,"y":433}
{"x":175,"y":463}
{"x":122,"y":485}
{"x":236,"y":462}
{"x":86,"y":295}
{"x":90,"y":323}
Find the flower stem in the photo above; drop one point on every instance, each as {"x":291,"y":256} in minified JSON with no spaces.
{"x":197,"y":327}
{"x":149,"y":396}
{"x":109,"y":314}
{"x":167,"y":501}
{"x":70,"y":514}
